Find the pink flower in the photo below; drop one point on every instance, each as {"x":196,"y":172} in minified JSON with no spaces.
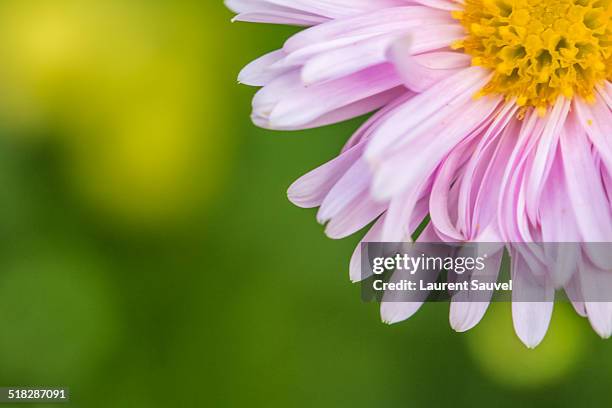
{"x":494,"y":121}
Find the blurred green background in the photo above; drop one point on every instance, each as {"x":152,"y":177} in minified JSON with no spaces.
{"x":150,"y":257}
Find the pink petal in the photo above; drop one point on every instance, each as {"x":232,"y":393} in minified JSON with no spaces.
{"x":391,"y":309}
{"x":465,"y":312}
{"x":532,"y":304}
{"x":596,"y":285}
{"x":421,"y":72}
{"x":311,"y":189}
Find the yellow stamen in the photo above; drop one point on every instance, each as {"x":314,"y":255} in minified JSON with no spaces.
{"x":540,"y":50}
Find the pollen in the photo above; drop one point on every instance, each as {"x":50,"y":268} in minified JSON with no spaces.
{"x":539,"y":50}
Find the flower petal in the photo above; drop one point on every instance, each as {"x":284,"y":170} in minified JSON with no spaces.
{"x":532,"y":304}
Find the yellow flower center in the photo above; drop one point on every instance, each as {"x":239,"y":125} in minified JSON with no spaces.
{"x":539,"y":49}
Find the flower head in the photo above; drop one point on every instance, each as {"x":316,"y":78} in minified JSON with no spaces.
{"x":493,"y":118}
{"x":539,"y":50}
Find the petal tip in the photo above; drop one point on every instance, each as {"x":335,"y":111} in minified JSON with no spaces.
{"x":531,"y":342}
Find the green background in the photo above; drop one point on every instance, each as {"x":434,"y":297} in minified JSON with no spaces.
{"x":150,"y":257}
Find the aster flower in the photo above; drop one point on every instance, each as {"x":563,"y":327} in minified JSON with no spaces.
{"x":493,"y":117}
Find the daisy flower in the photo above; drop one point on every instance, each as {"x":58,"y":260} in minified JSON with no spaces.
{"x":492,"y":118}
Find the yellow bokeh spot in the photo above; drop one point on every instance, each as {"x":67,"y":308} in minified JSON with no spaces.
{"x":502,"y":356}
{"x":132,"y":95}
{"x":540,"y":50}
